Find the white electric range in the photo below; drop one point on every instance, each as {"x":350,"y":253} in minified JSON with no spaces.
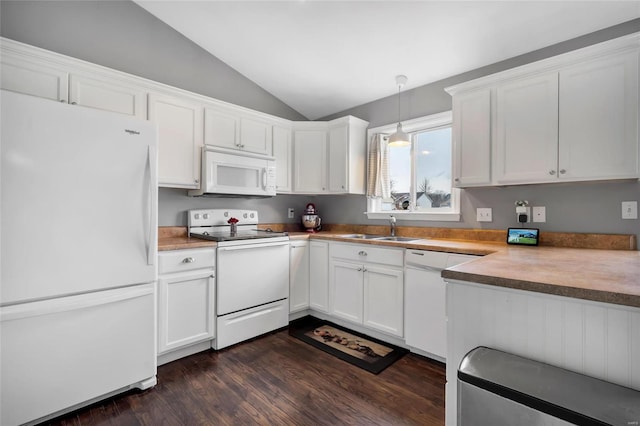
{"x":252,"y":273}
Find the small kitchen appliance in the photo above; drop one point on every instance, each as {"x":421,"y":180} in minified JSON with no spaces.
{"x":310,"y":219}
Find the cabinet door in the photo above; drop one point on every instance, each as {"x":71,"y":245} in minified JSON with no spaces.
{"x":346,"y":290}
{"x":339,"y":159}
{"x":527,"y":130}
{"x":319,"y":276}
{"x":426,"y":321}
{"x":309,"y":161}
{"x":599,"y":119}
{"x":298,"y":276}
{"x":186,"y":309}
{"x":472,"y":138}
{"x":180,"y":129}
{"x":282,"y":152}
{"x":34,"y":79}
{"x":255,"y":135}
{"x":108,"y":96}
{"x":221,"y":129}
{"x":384,"y":299}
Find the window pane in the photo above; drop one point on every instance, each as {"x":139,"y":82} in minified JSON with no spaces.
{"x":433,"y":169}
{"x":400,"y":176}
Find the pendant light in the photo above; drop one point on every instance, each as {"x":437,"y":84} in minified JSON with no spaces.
{"x":399,"y":138}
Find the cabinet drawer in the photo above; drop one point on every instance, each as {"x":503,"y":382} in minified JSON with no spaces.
{"x":367,"y":253}
{"x":185,"y":260}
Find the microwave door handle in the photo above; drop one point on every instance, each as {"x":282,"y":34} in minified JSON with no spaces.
{"x":264,"y":178}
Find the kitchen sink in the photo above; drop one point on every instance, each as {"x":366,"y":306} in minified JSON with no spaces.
{"x":396,"y":239}
{"x":377,"y":237}
{"x":362,"y":236}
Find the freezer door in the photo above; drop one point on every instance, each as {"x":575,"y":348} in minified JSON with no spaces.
{"x":79,"y":199}
{"x":61,"y":353}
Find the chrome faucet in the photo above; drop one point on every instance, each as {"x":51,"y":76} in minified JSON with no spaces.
{"x":392,"y":224}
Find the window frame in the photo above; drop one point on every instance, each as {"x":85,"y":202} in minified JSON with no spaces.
{"x":426,"y":123}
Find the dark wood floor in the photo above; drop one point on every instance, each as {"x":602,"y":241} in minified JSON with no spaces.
{"x":277,"y":380}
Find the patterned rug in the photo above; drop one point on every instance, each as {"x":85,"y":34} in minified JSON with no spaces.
{"x":365,"y":352}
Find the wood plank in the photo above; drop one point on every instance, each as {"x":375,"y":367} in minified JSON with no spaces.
{"x":276,"y":379}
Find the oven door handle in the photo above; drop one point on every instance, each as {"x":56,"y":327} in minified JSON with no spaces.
{"x":252,"y":246}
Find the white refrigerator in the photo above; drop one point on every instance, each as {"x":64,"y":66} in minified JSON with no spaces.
{"x":77,"y":257}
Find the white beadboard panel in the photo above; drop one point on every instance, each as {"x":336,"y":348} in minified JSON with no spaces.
{"x":618,"y":346}
{"x":634,"y":354}
{"x":573,"y":336}
{"x":553,"y":351}
{"x":597,"y":339}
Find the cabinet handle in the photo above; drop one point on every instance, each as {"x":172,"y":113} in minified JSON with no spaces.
{"x":359,"y":269}
{"x":212,"y":276}
{"x":195,"y":181}
{"x":562,"y":171}
{"x":63,"y":101}
{"x":362,"y":253}
{"x":457,"y":179}
{"x":364,"y":269}
{"x":74,"y":103}
{"x":552,"y":172}
{"x":188,"y":260}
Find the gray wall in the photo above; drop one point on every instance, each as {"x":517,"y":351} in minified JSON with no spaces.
{"x":121,"y":35}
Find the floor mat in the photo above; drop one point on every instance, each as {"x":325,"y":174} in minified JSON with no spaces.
{"x":363,"y":351}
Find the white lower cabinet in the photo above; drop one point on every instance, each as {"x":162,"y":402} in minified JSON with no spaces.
{"x":366,"y":286}
{"x":425,"y":300}
{"x":319,"y":276}
{"x":186,"y":298}
{"x":298,"y":276}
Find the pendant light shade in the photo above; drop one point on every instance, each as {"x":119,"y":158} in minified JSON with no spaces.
{"x":399,"y":138}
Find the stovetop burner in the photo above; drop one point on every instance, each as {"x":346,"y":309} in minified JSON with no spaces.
{"x":213,"y":225}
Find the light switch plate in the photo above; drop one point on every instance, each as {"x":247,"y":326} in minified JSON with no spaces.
{"x":629,"y":209}
{"x":484,"y":214}
{"x":539,"y":214}
{"x":290,"y":213}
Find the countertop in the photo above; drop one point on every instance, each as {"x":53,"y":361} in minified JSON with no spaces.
{"x":611,"y":276}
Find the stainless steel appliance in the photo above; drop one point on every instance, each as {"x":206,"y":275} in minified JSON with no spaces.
{"x":77,"y":294}
{"x":502,"y":389}
{"x":310,"y":219}
{"x":252,"y":272}
{"x":226,"y":172}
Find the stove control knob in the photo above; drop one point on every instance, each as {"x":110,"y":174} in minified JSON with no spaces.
{"x":205,"y":216}
{"x":251,"y":215}
{"x":244,"y":215}
{"x":196,"y":216}
{"x":226,"y":214}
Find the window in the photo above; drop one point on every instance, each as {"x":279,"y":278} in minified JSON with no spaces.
{"x":419,"y":174}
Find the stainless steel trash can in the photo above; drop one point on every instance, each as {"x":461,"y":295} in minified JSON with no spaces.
{"x":497,"y":388}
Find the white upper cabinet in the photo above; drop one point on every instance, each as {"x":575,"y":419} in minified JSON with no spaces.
{"x":472,"y":138}
{"x":180,"y":137}
{"x":108,"y":95}
{"x":573,"y":117}
{"x":527,"y":130}
{"x":330,"y":157}
{"x":34,"y":78}
{"x":347,"y":154}
{"x":282,"y":151}
{"x":310,"y":161}
{"x":227,"y":128}
{"x":599,"y":119}
{"x":73,"y":86}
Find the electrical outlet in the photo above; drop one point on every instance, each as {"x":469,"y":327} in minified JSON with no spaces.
{"x":484,"y":215}
{"x":290,"y":213}
{"x":629,"y":209}
{"x":539,"y":214}
{"x":523,"y":214}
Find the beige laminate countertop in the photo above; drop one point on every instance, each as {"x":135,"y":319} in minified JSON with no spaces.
{"x":610,"y":276}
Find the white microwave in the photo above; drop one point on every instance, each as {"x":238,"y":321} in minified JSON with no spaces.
{"x":226,"y":172}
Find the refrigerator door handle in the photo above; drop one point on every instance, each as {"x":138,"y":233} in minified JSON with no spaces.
{"x":153,"y":206}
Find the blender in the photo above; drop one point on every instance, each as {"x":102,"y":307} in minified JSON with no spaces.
{"x":310,"y":220}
